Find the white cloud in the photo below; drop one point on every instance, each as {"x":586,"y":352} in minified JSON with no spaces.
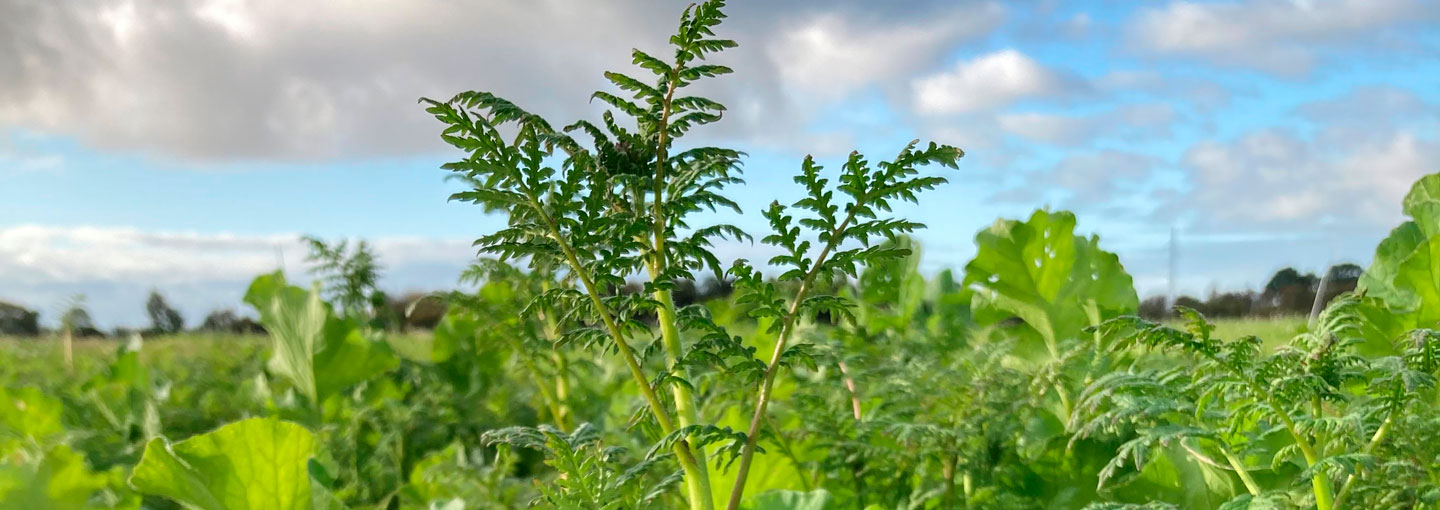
{"x":1284,"y":36}
{"x":989,"y":82}
{"x":832,"y":55}
{"x":1273,"y":179}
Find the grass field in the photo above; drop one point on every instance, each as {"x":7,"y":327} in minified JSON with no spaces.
{"x":34,"y":358}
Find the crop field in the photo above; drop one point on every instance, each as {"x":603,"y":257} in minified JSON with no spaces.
{"x":582,"y":372}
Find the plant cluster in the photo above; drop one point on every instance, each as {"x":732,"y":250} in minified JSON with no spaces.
{"x":837,"y":374}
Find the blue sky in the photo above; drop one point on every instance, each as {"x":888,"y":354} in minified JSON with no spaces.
{"x":183,"y":146}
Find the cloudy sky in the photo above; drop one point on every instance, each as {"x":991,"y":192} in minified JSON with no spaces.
{"x":184,"y":145}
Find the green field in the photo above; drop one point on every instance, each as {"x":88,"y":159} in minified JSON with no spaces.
{"x":604,"y":356}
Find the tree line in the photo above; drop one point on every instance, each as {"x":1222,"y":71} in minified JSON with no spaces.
{"x":1289,"y":292}
{"x":349,"y":274}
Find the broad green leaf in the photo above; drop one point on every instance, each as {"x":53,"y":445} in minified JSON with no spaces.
{"x":1379,"y":279}
{"x":349,"y":358}
{"x":1419,"y":276}
{"x":1402,"y":284}
{"x":253,"y":464}
{"x":1423,"y":204}
{"x":27,"y":415}
{"x":817,"y":499}
{"x":1042,"y":273}
{"x":319,"y":353}
{"x":295,"y":320}
{"x":60,"y":480}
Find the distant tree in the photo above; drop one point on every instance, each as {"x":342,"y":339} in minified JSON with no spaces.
{"x":350,"y":276}
{"x":1191,"y":302}
{"x":227,"y":321}
{"x":716,"y":289}
{"x":76,"y":319}
{"x":1153,"y":308}
{"x":164,"y":320}
{"x":1342,"y":278}
{"x":15,"y":320}
{"x":1230,"y":304}
{"x":1288,"y":292}
{"x":685,"y":292}
{"x":1346,"y":272}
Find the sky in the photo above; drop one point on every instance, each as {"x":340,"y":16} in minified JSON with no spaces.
{"x":183,"y":146}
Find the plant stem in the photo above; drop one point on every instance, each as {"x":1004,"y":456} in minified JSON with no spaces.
{"x":767,"y":383}
{"x":1240,"y":469}
{"x":551,"y":403}
{"x":562,"y":364}
{"x":947,"y":469}
{"x":850,"y":386}
{"x":685,"y":408}
{"x":1324,"y":492}
{"x":697,"y":485}
{"x":1375,"y":441}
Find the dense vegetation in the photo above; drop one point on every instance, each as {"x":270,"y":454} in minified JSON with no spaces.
{"x":834,"y":375}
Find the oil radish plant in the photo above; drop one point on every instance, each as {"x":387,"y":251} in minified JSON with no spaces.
{"x":621,"y":207}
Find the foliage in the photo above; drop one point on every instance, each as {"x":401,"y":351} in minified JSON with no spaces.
{"x":1054,"y":281}
{"x":350,"y":275}
{"x":18,"y":321}
{"x":318,"y":352}
{"x":260,"y":463}
{"x":164,"y":320}
{"x":1313,"y":410}
{"x":1404,"y":278}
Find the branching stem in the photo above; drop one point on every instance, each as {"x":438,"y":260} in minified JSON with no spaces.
{"x":767,"y":382}
{"x":1375,"y":441}
{"x":688,"y":463}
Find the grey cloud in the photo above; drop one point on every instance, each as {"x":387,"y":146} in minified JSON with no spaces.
{"x":273,"y":80}
{"x":1370,"y":105}
{"x":1135,"y":121}
{"x":1106,"y":183}
{"x":1202,"y":94}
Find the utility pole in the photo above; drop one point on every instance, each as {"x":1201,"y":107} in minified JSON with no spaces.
{"x":1170,"y":282}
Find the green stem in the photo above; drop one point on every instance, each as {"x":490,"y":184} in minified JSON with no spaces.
{"x":767,"y":382}
{"x":947,"y":469}
{"x":551,"y":403}
{"x":1320,"y":482}
{"x":562,"y":366}
{"x":1375,"y":441}
{"x":1240,"y":469}
{"x":696,"y":484}
{"x":685,"y":407}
